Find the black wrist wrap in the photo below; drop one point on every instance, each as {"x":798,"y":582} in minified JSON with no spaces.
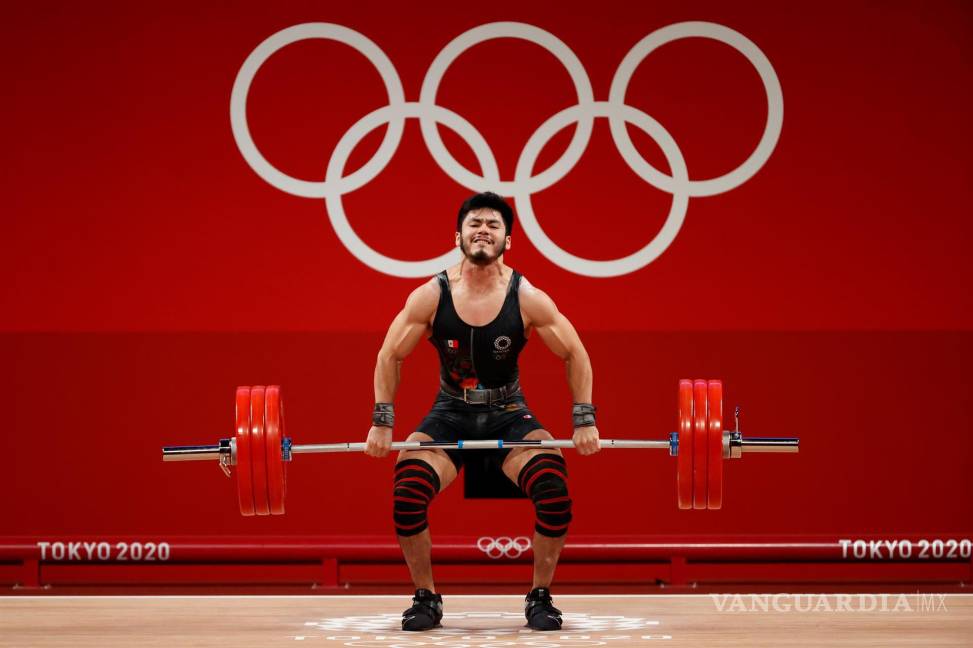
{"x":583,"y":414}
{"x":383,"y":415}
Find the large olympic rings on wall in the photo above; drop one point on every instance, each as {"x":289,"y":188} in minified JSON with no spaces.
{"x":525,"y":182}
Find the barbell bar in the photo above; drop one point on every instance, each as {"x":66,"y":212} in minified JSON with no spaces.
{"x":733,"y":440}
{"x":260,"y":450}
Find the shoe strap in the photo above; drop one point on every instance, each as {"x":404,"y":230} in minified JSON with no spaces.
{"x":540,"y":597}
{"x":539,"y":594}
{"x":427,"y":599}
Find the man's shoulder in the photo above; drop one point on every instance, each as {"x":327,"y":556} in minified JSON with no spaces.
{"x":527,"y":289}
{"x":535,"y":305}
{"x":429,"y":288}
{"x":425,"y":298}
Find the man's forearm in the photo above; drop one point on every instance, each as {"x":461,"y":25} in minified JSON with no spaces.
{"x":579,"y":376}
{"x":386,"y":377}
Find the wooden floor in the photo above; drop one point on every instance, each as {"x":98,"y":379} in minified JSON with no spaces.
{"x":489,"y":621}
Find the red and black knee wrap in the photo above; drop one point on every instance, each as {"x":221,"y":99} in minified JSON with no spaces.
{"x":545,"y":481}
{"x":414,"y":485}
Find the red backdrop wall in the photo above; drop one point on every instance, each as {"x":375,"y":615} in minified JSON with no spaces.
{"x":148,"y":269}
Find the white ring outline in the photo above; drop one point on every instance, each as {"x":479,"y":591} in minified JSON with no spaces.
{"x":241,"y":130}
{"x":557,"y":48}
{"x":760,"y":62}
{"x":347,"y":143}
{"x":651,"y":251}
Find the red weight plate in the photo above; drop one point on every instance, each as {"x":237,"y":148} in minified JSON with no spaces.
{"x":276,"y":479}
{"x":283,"y":437}
{"x":714,"y":496}
{"x":684,"y":460}
{"x":258,"y":451}
{"x":244,"y":481}
{"x":700,"y":444}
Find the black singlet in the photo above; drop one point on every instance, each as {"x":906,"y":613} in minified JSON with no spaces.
{"x":477,"y":357}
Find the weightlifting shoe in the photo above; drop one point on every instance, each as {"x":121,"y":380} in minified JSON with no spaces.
{"x":540,"y":611}
{"x":426,"y":611}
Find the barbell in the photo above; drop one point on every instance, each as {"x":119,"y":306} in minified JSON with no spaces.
{"x":260,"y":451}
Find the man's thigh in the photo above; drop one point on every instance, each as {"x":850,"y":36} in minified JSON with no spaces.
{"x":519,"y":457}
{"x":438,"y":459}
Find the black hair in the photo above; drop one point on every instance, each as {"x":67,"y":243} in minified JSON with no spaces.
{"x":488,"y":200}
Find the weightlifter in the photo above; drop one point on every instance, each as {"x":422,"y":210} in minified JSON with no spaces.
{"x":478,"y":314}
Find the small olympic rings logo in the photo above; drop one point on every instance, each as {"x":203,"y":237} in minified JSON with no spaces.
{"x":504,"y":546}
{"x":502,"y":343}
{"x":525,"y":182}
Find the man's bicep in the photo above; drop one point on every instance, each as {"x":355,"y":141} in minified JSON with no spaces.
{"x":402,"y":336}
{"x":559,"y":336}
{"x":554,"y":329}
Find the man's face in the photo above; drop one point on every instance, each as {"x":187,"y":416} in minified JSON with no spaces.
{"x":484,"y":236}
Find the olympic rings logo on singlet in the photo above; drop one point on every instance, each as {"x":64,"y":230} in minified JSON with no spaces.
{"x":525,"y":182}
